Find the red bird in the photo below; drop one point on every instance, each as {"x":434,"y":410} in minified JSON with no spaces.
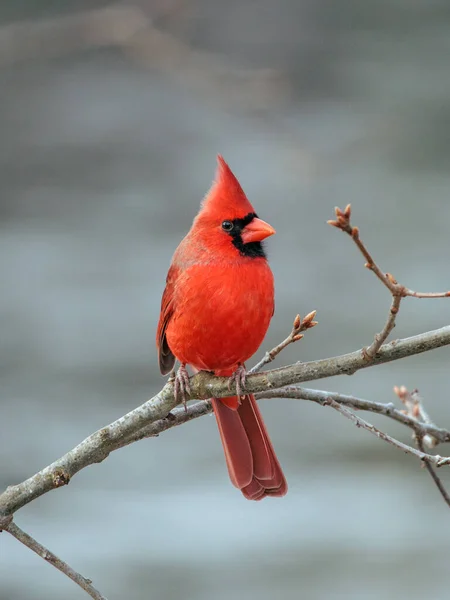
{"x":215,"y":311}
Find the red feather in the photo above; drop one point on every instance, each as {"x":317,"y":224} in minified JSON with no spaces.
{"x":215,"y":312}
{"x":166,"y":357}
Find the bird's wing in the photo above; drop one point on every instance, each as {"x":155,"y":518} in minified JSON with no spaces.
{"x":165,"y":355}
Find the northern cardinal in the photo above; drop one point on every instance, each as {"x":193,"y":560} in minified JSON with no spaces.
{"x":215,"y":311}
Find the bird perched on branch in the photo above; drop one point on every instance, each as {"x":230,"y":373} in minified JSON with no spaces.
{"x":215,"y":311}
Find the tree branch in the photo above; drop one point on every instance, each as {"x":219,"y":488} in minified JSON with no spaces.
{"x":322,"y":397}
{"x":342,"y":222}
{"x":381,"y":337}
{"x":30,"y":542}
{"x":397,"y":290}
{"x":98,"y":446}
{"x":414,"y":408}
{"x":437,"y":460}
{"x":434,"y":476}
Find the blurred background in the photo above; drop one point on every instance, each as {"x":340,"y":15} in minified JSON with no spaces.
{"x":111,"y":116}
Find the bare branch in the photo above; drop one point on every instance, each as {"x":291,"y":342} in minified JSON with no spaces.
{"x":415,"y":409}
{"x":296,"y":334}
{"x":381,"y":337}
{"x":437,"y":460}
{"x":30,"y":542}
{"x":388,"y":410}
{"x":434,"y":476}
{"x":203,"y":407}
{"x":342,"y":222}
{"x":93,"y":449}
{"x":397,"y":290}
{"x":98,"y":446}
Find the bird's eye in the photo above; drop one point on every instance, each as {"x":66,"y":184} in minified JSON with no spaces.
{"x":227,"y":226}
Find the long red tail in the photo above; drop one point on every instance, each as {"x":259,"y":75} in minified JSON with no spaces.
{"x":251,"y":460}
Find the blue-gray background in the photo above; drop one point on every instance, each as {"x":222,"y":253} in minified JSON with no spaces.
{"x":105,"y":153}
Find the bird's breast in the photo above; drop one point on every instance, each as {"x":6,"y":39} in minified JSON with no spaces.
{"x":221,"y":313}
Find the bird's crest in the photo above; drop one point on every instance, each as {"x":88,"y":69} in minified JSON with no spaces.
{"x":226,"y":197}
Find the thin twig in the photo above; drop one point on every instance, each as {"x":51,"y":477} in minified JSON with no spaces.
{"x":98,"y":446}
{"x":437,"y":460}
{"x":342,"y":222}
{"x":434,"y":476}
{"x":381,"y":337}
{"x":429,"y":295}
{"x":32,"y":544}
{"x":397,"y":290}
{"x":388,"y":410}
{"x":295,"y":335}
{"x":414,"y":408}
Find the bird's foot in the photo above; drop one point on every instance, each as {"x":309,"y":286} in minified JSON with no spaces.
{"x":238,"y":380}
{"x":182,"y":386}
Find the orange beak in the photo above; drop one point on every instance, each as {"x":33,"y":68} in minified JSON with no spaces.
{"x":256,"y":231}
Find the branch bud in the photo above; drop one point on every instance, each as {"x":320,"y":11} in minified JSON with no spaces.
{"x":309,"y":318}
{"x":401,"y":392}
{"x":333,"y":223}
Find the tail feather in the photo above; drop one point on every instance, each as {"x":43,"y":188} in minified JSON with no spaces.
{"x":251,"y":460}
{"x":262,"y":451}
{"x":236,"y":445}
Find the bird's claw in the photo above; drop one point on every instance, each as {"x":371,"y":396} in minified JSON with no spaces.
{"x":238,"y":380}
{"x":182,"y":386}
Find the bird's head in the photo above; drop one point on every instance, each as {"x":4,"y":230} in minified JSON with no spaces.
{"x":228,"y":220}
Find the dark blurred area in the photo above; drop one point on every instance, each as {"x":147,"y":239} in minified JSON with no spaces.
{"x":111,"y":115}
